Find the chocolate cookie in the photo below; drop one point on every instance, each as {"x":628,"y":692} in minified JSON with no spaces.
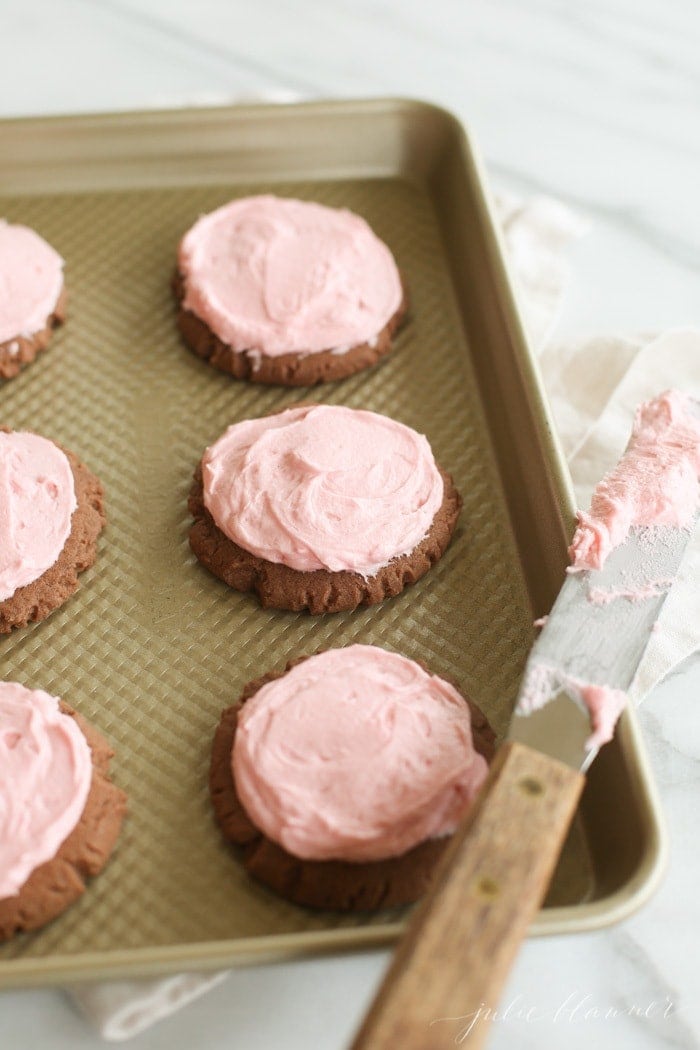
{"x":294,"y":369}
{"x":55,"y":885}
{"x":320,"y":591}
{"x":36,"y":600}
{"x":21,"y":350}
{"x":335,"y":884}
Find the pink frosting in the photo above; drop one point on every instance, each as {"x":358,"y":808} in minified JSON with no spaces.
{"x":603,"y":703}
{"x":355,"y":754}
{"x":279,"y":276}
{"x":641,"y":593}
{"x":31,"y":278}
{"x":37,"y":500}
{"x":45,"y":776}
{"x":655,"y":482}
{"x":323,"y":487}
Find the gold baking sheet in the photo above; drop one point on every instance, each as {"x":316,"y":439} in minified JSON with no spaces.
{"x":152,"y":647}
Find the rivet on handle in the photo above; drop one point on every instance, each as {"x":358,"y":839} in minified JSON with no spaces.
{"x":531,"y":786}
{"x":487,"y":887}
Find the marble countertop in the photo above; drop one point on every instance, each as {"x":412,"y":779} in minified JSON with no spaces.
{"x":598,"y":104}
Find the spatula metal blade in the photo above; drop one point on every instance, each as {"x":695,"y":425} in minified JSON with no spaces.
{"x":597,"y":632}
{"x":603,"y":640}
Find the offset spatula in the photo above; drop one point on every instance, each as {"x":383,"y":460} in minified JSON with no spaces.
{"x":448,"y":971}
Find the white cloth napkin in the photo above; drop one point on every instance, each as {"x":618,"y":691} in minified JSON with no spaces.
{"x":594,"y":387}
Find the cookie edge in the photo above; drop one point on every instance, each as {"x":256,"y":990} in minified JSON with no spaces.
{"x":53,"y":886}
{"x":329,"y":884}
{"x":292,"y":369}
{"x":279,"y":586}
{"x":29,"y":346}
{"x":33,"y":602}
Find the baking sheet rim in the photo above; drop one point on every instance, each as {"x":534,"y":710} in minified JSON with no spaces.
{"x":213,"y":954}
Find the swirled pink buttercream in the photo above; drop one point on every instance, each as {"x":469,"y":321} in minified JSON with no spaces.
{"x":37,"y":500}
{"x":45,"y":775}
{"x":286,"y":276}
{"x":31,"y":278}
{"x":355,"y":754}
{"x":323,"y":487}
{"x":655,"y":483}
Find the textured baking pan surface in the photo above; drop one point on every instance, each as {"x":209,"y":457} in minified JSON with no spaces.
{"x":152,"y":647}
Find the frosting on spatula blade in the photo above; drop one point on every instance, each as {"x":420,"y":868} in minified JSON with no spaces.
{"x":645,"y":510}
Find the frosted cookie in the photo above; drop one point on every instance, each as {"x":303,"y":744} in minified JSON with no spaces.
{"x":343,"y":777}
{"x":51,"y":513}
{"x":32,"y":297}
{"x":60,"y":815}
{"x":285,"y":291}
{"x":321,"y":507}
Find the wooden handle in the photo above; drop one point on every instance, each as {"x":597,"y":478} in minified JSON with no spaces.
{"x":449,"y":968}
